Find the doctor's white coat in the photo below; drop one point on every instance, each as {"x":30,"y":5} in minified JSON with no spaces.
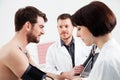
{"x":107,"y":65}
{"x":58,"y":59}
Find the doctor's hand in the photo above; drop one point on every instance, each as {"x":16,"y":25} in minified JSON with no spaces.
{"x":78,"y":69}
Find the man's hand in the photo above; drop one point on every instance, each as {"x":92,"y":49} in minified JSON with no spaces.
{"x":76,"y":78}
{"x":70,"y":74}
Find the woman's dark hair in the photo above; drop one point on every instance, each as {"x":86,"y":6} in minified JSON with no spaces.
{"x":97,"y":17}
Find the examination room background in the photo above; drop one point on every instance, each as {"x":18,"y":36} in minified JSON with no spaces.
{"x":52,"y":8}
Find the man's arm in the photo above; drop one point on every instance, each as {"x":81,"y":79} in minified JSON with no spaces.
{"x":17,"y":62}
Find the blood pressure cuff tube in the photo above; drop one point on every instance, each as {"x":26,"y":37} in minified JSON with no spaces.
{"x":33,"y":73}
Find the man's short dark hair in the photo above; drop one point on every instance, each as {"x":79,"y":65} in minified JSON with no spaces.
{"x":66,"y":16}
{"x":28,"y":13}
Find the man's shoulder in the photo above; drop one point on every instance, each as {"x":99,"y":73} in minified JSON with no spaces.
{"x":55,"y":44}
{"x":8,"y":50}
{"x":5,"y":48}
{"x":78,"y":40}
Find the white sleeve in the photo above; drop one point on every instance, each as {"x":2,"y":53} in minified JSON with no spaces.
{"x":50,"y":66}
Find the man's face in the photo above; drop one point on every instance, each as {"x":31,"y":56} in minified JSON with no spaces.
{"x":36,"y":31}
{"x":65,"y":28}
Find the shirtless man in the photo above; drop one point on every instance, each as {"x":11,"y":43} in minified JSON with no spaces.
{"x":15,"y":62}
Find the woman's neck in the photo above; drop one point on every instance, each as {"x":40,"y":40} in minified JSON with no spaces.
{"x":100,"y":41}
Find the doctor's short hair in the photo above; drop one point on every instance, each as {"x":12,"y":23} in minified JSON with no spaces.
{"x":66,"y":16}
{"x":97,"y":17}
{"x":29,"y":13}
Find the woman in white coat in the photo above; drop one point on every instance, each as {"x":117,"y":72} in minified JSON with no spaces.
{"x":95,"y":23}
{"x":58,"y":58}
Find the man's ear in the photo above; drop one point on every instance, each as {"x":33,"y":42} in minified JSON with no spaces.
{"x":28,"y":26}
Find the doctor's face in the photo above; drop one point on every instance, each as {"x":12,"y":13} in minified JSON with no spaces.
{"x":85,"y":35}
{"x":65,"y":28}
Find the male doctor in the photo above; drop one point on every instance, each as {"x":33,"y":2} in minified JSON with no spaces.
{"x":65,"y":56}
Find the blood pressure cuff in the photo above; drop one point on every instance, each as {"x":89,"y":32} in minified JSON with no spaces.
{"x":33,"y":73}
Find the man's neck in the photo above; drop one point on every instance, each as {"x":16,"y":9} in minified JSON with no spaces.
{"x":67,"y":41}
{"x":20,"y":40}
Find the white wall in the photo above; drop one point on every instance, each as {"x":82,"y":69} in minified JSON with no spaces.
{"x":52,"y":8}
